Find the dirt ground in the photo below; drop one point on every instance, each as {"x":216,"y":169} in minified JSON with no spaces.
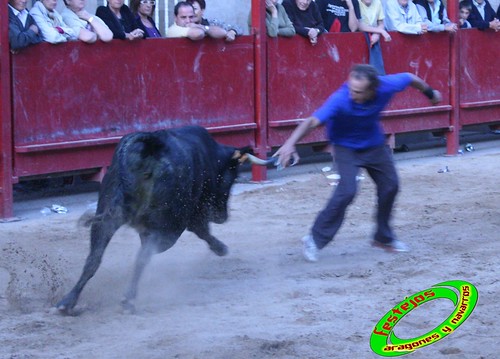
{"x":263,"y":300}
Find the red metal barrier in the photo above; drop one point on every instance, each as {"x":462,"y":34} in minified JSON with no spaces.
{"x":73,"y":102}
{"x":479,"y":77}
{"x":301,"y":77}
{"x":5,"y":120}
{"x":68,"y":105}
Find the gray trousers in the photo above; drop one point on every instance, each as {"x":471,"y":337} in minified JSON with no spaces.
{"x":380,"y":166}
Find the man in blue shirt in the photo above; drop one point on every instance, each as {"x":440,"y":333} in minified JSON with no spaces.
{"x":352,"y":118}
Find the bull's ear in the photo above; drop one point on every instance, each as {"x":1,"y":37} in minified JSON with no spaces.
{"x":237,"y":155}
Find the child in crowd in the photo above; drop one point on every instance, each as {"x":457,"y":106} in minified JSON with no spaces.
{"x":465,"y":9}
{"x":372,"y":23}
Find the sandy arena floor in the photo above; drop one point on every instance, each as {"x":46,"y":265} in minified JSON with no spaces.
{"x":263,"y":300}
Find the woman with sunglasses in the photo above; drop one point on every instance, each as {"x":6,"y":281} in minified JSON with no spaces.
{"x":143,"y":11}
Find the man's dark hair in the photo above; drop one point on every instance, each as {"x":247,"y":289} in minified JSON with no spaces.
{"x":363,"y":71}
{"x":181,"y":4}
{"x":464,"y":4}
{"x":202,"y":3}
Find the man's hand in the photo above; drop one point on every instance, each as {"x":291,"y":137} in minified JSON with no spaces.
{"x":436,"y":98}
{"x":451,"y":27}
{"x":34,"y":28}
{"x":272,"y":8}
{"x":313,"y":35}
{"x":285,"y":153}
{"x":495,"y":25}
{"x":231,"y":35}
{"x":83,"y":14}
{"x":387,"y":36}
{"x":374,"y":38}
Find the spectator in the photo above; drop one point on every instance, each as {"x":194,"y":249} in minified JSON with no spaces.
{"x":306,"y":18}
{"x":372,"y":23}
{"x":465,"y":8}
{"x":214,"y":28}
{"x":433,"y":13}
{"x":482,"y":15}
{"x":184,"y":25}
{"x":340,"y":15}
{"x":277,"y":21}
{"x":50,"y":22}
{"x":120,"y":20}
{"x":23,"y":30}
{"x":89,"y":28}
{"x":403,"y":16}
{"x":143,"y":11}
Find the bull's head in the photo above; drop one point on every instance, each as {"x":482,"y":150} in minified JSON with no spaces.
{"x":229,"y":162}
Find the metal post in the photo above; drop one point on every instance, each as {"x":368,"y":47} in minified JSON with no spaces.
{"x":259,"y":173}
{"x":453,"y":136}
{"x":6,"y":194}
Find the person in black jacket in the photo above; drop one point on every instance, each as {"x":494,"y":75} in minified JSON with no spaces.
{"x":120,"y":20}
{"x":488,"y":21}
{"x":23,"y":30}
{"x":306,"y":18}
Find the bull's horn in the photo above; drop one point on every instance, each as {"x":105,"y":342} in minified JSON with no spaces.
{"x":258,"y":161}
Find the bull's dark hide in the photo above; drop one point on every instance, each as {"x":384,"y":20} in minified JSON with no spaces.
{"x":160,"y":183}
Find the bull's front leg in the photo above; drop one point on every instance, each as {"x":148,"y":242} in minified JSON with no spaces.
{"x":202,"y":230}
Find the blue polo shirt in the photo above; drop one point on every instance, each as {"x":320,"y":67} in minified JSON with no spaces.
{"x":354,"y":125}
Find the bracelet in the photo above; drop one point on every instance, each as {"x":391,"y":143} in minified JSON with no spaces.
{"x":429,"y":92}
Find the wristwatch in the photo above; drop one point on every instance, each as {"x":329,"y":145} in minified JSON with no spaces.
{"x":90,"y":20}
{"x":207,"y":28}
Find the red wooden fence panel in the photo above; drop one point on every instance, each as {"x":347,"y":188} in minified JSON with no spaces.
{"x":74,"y":101}
{"x":302,"y":76}
{"x":479,"y":77}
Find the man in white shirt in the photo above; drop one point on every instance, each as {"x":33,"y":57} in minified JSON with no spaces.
{"x":184,"y":24}
{"x":403,"y":16}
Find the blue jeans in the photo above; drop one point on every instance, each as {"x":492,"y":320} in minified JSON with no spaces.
{"x":376,"y":59}
{"x":379,"y":164}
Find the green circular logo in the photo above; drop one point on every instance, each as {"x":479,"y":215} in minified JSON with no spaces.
{"x":384,"y":342}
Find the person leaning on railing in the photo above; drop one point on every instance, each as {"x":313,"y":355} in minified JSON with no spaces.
{"x":306,"y":18}
{"x":482,"y":15}
{"x":90,"y":28}
{"x":184,"y":25}
{"x":277,"y":21}
{"x":120,"y":20}
{"x":23,"y":30}
{"x":433,"y":13}
{"x":403,"y":16}
{"x":340,"y":15}
{"x":214,"y":28}
{"x":51,"y":24}
{"x":143,"y":11}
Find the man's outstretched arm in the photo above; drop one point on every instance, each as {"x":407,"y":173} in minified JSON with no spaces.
{"x":288,"y":150}
{"x":426,"y":89}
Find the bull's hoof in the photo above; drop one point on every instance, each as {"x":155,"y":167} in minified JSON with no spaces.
{"x":128,"y":307}
{"x":66,"y":306}
{"x":66,"y":311}
{"x":219,"y":248}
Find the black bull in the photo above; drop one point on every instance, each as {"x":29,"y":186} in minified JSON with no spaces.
{"x":160,"y":183}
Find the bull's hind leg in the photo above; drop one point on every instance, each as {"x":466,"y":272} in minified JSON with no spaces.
{"x":151,"y":243}
{"x":101,"y":233}
{"x":202,"y":231}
